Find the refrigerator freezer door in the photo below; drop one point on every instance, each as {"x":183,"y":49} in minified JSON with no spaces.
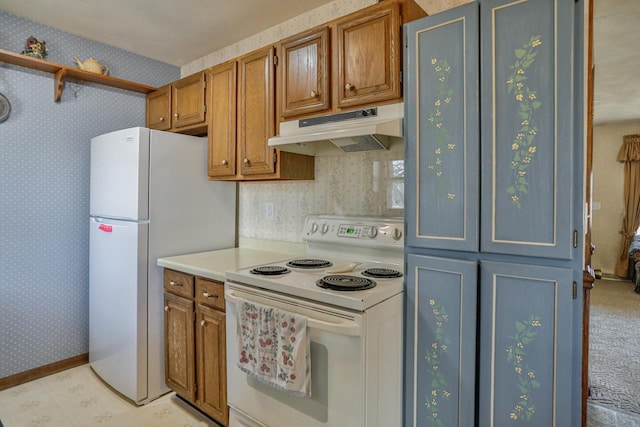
{"x":120,"y":174}
{"x":118,"y":305}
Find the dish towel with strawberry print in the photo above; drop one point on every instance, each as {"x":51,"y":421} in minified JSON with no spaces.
{"x":273,"y":347}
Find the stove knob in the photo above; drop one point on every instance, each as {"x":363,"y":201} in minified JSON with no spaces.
{"x":372,"y":232}
{"x":314,"y":227}
{"x":396,"y":234}
{"x":325,"y":228}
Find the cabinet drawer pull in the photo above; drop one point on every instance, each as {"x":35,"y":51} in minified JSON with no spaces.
{"x":162,"y":119}
{"x":166,"y":308}
{"x":224,"y":162}
{"x":208,"y":295}
{"x":175,"y":115}
{"x":172,"y":283}
{"x":348,"y":86}
{"x":202,"y":323}
{"x":314,"y":93}
{"x":246,"y":162}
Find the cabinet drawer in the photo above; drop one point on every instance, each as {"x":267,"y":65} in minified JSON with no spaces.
{"x":209,"y":292}
{"x":178,"y":283}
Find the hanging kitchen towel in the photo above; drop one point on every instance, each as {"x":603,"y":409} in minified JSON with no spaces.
{"x":273,"y":347}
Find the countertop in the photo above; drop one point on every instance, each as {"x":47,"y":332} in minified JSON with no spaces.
{"x":213,"y":264}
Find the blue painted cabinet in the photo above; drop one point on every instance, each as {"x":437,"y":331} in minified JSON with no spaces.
{"x":492,"y":164}
{"x":442,"y":123}
{"x":525,"y":345}
{"x":441,"y":321}
{"x":527,"y":119}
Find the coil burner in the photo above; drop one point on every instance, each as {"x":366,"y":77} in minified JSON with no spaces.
{"x":270,"y":270}
{"x":309,"y":263}
{"x":345,"y":283}
{"x":382,"y":273}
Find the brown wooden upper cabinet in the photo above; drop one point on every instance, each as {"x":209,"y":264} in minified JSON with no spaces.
{"x":179,"y":107}
{"x":350,"y":62}
{"x":306,"y":73}
{"x":242,"y":118}
{"x":159,"y":109}
{"x":187,"y":101}
{"x":222,"y":83}
{"x":256,"y":112}
{"x":367,"y":57}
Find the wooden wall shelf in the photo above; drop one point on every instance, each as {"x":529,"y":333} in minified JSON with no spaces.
{"x":61,"y":71}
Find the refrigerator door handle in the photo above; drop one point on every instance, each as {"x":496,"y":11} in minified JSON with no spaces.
{"x":105,"y":220}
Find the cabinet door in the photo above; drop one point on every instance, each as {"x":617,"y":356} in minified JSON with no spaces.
{"x":440,"y":352}
{"x":256,"y":107}
{"x":525,"y":345}
{"x":442,"y":130}
{"x":304,"y":73}
{"x":159,"y":109}
{"x":179,"y":364}
{"x":211,"y":361}
{"x":368,"y":56}
{"x":188,"y":101}
{"x":527,"y":119}
{"x":221,"y":99}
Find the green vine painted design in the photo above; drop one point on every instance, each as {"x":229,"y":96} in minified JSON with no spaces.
{"x":523,"y":144}
{"x":442,"y":141}
{"x":516,"y":354}
{"x":435,"y":352}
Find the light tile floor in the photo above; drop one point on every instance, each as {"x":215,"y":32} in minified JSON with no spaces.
{"x":78,"y":398}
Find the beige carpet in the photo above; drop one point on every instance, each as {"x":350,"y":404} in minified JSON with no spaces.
{"x":614,"y":346}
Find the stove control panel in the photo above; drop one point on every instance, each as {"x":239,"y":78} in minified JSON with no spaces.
{"x":357,"y":231}
{"x":360,"y":231}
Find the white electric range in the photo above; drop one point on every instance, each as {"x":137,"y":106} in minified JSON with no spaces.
{"x":349,"y":285}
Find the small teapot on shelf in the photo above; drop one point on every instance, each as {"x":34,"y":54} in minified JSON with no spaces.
{"x":92,"y":65}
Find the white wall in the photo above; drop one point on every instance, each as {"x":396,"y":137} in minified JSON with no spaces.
{"x":608,"y":188}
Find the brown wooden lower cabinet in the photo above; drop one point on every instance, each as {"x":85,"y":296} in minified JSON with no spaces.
{"x":195,"y":342}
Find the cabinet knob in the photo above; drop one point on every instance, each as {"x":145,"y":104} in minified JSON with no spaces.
{"x":246,"y":162}
{"x":396,"y":234}
{"x":348,"y":86}
{"x":166,"y":308}
{"x":208,"y":295}
{"x":202,"y":323}
{"x":224,"y":162}
{"x":175,"y":115}
{"x":314,"y":93}
{"x":162,"y":119}
{"x":172,"y":283}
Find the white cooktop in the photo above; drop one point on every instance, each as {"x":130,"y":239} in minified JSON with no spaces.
{"x":352,"y":245}
{"x":302,"y":283}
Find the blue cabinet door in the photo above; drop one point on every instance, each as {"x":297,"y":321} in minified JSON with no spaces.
{"x":525,"y":345}
{"x":440,"y":352}
{"x":442,"y":134}
{"x":527,"y":122}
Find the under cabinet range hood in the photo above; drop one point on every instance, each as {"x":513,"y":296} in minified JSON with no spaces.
{"x":368,"y":129}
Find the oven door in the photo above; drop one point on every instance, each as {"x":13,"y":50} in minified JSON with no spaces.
{"x":337,"y":368}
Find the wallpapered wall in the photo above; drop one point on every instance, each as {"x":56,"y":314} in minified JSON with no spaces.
{"x":44,"y":185}
{"x":608,"y":191}
{"x":349,"y":184}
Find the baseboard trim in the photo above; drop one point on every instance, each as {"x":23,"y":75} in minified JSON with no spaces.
{"x":43,"y":371}
{"x":610,"y":276}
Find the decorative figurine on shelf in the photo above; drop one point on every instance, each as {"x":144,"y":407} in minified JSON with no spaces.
{"x":35,"y":48}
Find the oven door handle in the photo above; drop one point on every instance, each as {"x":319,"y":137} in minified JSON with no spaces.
{"x":349,"y":328}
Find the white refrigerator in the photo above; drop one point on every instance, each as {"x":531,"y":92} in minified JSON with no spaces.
{"x":150,"y":197}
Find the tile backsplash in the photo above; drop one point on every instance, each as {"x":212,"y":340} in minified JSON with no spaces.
{"x":362,"y":184}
